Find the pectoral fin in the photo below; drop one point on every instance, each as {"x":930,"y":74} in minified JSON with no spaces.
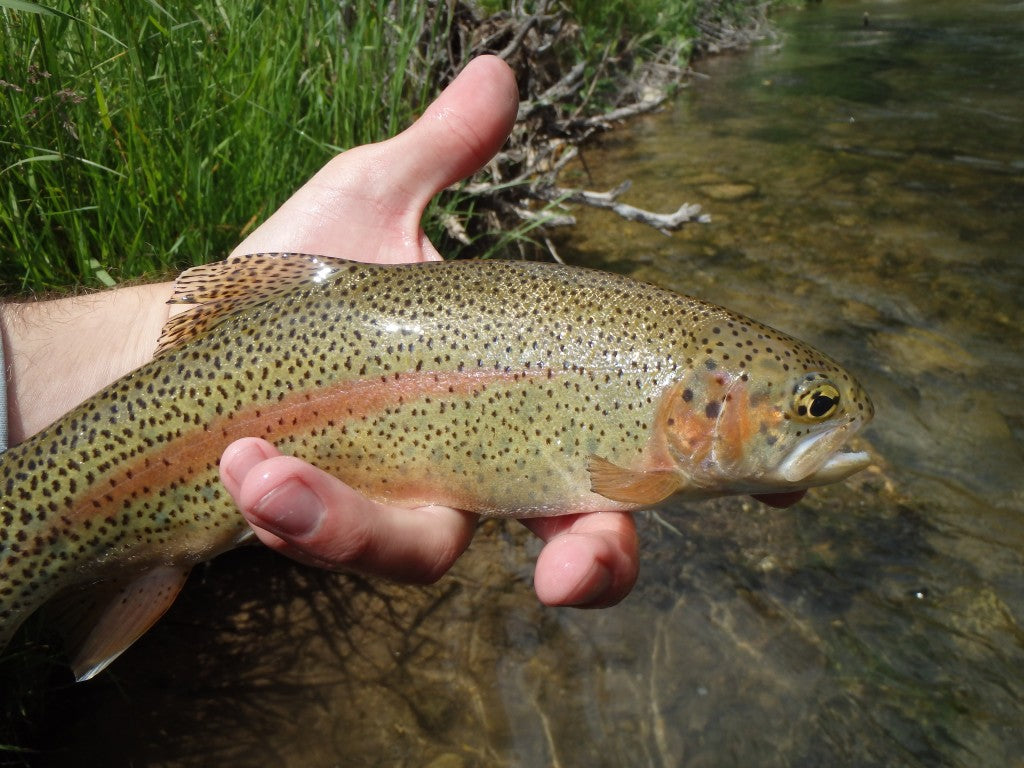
{"x":99,"y":627}
{"x":629,"y":486}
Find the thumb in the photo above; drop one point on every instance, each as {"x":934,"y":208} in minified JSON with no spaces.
{"x":367,"y":203}
{"x":458,"y":133}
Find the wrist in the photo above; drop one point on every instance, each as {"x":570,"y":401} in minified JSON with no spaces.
{"x":60,"y":352}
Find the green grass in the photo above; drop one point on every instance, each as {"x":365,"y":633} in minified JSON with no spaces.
{"x":636,"y":31}
{"x":145,"y":137}
{"x":141,"y":137}
{"x":646,"y":23}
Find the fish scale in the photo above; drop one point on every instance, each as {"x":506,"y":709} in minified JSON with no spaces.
{"x":499,"y":387}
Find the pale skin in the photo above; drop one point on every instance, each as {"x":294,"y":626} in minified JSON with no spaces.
{"x":365,"y":204}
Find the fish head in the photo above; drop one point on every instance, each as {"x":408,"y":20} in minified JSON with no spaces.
{"x":821,"y":412}
{"x":767,"y":427}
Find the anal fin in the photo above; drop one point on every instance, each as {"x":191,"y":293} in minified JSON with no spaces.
{"x":630,"y":486}
{"x":100,"y":627}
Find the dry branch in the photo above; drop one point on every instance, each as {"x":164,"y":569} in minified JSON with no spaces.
{"x":687,"y":213}
{"x":558,"y":112}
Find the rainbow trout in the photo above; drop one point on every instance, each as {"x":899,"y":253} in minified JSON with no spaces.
{"x":503,"y":388}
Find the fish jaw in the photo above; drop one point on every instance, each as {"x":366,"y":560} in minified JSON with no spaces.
{"x":840,"y":466}
{"x":820,"y":460}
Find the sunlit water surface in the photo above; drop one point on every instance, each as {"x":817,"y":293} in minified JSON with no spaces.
{"x":865,"y":187}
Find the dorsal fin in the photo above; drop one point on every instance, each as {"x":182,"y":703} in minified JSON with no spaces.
{"x":225,"y":288}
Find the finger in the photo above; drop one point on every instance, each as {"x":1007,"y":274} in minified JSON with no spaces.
{"x":313,"y":517}
{"x":589,"y":561}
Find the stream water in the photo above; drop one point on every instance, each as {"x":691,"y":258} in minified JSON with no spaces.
{"x":866,"y":189}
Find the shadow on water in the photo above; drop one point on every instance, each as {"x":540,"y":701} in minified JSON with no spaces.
{"x":763,"y":635}
{"x":866,"y":192}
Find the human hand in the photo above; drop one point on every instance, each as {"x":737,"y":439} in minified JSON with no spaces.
{"x":367,"y":204}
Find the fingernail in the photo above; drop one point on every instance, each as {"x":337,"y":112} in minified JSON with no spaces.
{"x":290,"y":510}
{"x":238,"y":462}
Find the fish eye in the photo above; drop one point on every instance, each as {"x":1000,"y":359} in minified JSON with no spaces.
{"x":815,"y":400}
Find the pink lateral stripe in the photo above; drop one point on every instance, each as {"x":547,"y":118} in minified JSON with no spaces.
{"x":191,"y":454}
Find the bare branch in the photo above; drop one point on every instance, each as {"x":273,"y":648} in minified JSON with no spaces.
{"x":557,"y":113}
{"x":687,"y":213}
{"x":560,"y":91}
{"x":622,"y":113}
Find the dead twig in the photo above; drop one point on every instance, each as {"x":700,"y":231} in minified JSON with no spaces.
{"x":560,"y":91}
{"x":687,"y":213}
{"x":558,"y":112}
{"x":622,"y":113}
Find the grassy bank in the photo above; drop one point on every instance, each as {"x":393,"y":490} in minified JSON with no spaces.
{"x":139,"y":139}
{"x":146,"y":138}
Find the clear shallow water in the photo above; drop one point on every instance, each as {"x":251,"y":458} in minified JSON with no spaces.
{"x":867,"y":191}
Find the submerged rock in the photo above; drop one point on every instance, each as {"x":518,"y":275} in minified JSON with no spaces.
{"x":729,"y":192}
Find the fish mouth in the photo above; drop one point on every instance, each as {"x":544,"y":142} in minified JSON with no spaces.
{"x":820,"y":459}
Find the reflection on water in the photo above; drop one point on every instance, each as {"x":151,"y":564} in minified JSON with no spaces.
{"x":866,"y":190}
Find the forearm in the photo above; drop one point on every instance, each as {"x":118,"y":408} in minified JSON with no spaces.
{"x":59,"y":353}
